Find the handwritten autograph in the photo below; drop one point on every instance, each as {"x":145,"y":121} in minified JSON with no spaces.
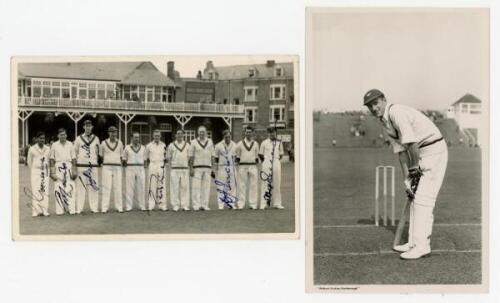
{"x":63,"y":196}
{"x":158,"y":196}
{"x":90,"y":180}
{"x":268,"y":194}
{"x":224,"y":188}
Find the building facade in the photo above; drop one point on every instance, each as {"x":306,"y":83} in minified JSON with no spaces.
{"x":133,"y":96}
{"x":266,"y":92}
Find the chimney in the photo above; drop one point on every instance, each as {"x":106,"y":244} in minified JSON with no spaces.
{"x":170,"y":69}
{"x":270,"y":63}
{"x":199,"y":76}
{"x":210,"y":64}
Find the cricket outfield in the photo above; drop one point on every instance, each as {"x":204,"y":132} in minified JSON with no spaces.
{"x":160,"y":222}
{"x":349,"y":249}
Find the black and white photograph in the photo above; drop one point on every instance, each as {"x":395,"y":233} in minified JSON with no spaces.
{"x":398,"y":117}
{"x":154,"y":147}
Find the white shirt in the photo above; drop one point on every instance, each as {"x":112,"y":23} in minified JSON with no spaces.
{"x":111,"y":152}
{"x":178,"y":154}
{"x":38,"y":158}
{"x":247,"y":151}
{"x":202,"y":152}
{"x":404,"y":124}
{"x":62,"y":152}
{"x":87,"y":149}
{"x":156,"y":151}
{"x":225,"y":152}
{"x":271,"y":149}
{"x":134,"y":156}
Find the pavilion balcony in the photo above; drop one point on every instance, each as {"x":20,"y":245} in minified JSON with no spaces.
{"x":61,"y":104}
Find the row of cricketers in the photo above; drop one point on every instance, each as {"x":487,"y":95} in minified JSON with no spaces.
{"x":234,"y":168}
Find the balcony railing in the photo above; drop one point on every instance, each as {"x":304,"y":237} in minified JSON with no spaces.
{"x":96,"y":104}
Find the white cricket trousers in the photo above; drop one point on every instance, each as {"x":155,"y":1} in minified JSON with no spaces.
{"x":157,"y":192}
{"x":433,"y":162}
{"x":200,"y":183}
{"x":87,"y":182}
{"x":135,"y":182}
{"x":64,"y":189}
{"x":248,"y":175}
{"x":179,"y":187}
{"x":227,"y":187}
{"x":270,"y":183}
{"x":112,"y":180}
{"x":39,"y":191}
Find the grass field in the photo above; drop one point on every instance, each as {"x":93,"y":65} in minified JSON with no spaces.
{"x":159,"y":222}
{"x":349,"y":249}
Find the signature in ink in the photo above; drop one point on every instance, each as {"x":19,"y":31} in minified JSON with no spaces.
{"x":86,"y":148}
{"x":64,"y":169}
{"x":225,"y":187}
{"x":224,"y":194}
{"x":158,"y":196}
{"x":91,"y":181}
{"x":63,"y":196}
{"x":268,"y":194}
{"x":32,"y":196}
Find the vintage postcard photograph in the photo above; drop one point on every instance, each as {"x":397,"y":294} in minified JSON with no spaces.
{"x":155,"y":147}
{"x":398,"y":149}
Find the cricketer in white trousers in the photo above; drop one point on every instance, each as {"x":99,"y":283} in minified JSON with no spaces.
{"x":227,"y":186}
{"x":64,"y":189}
{"x":87,"y":153}
{"x":179,"y":187}
{"x":38,"y":161}
{"x":433,"y":162}
{"x":157,"y":193}
{"x":112,"y":179}
{"x":135,"y":182}
{"x":40,"y":190}
{"x":270,"y":176}
{"x":201,"y":187}
{"x":87,"y":183}
{"x":248,"y":174}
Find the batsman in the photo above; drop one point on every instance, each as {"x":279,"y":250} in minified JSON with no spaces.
{"x":423,"y":156}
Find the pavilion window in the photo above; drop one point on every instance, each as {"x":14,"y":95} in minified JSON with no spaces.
{"x":157,"y":97}
{"x":142,"y":93}
{"x":110,"y":91}
{"x":92,"y":91}
{"x":126,"y":92}
{"x":28,"y":88}
{"x":37,"y":91}
{"x":56,"y":92}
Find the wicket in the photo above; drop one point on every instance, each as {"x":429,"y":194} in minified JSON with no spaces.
{"x":384,"y":168}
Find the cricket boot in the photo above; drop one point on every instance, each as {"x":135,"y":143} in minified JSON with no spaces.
{"x":415,"y":253}
{"x":402,"y":248}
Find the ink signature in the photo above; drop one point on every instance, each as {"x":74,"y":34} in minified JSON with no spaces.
{"x":86,"y":148}
{"x":225,"y":187}
{"x":268,"y":194}
{"x":88,"y":174}
{"x":158,"y":196}
{"x":63,"y":196}
{"x":42,"y":192}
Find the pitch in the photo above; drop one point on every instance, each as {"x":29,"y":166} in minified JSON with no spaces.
{"x":349,"y":249}
{"x":159,"y":222}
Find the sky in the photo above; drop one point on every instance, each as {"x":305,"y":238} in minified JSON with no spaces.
{"x":424,"y":58}
{"x":188,"y":66}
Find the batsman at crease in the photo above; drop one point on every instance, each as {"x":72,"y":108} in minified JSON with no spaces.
{"x":423,"y":156}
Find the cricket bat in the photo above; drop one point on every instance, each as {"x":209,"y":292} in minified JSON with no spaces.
{"x":402,"y":222}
